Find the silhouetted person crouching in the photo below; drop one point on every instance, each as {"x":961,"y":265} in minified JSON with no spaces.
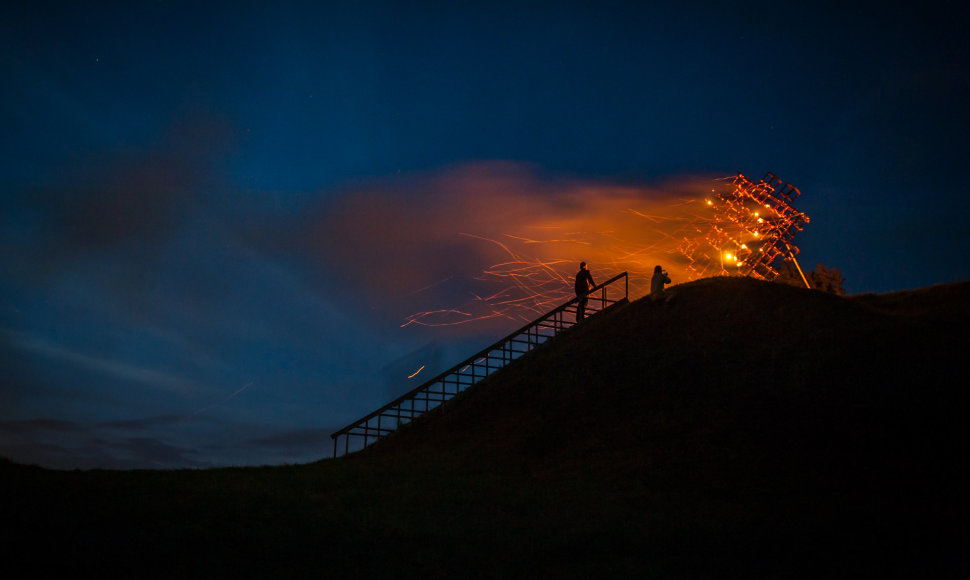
{"x":657,"y":284}
{"x":584,"y":283}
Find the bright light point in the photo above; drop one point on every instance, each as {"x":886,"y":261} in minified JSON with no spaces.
{"x":733,"y":214}
{"x":415,"y":373}
{"x":523,"y":285}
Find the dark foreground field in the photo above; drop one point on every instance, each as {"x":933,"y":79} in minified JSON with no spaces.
{"x":744,"y":429}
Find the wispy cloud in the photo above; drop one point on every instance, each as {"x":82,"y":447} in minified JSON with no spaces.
{"x":157,"y":442}
{"x":105,"y":366}
{"x":71,"y":445}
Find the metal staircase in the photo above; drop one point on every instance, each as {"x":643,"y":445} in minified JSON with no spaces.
{"x":470,"y":371}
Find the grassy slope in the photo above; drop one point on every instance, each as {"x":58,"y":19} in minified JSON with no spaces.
{"x":741,"y":426}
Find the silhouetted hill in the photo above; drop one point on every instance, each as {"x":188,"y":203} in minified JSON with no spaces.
{"x":742,"y":428}
{"x":815,"y":425}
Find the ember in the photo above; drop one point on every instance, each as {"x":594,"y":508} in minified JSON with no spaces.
{"x":751,"y":230}
{"x":741,"y":229}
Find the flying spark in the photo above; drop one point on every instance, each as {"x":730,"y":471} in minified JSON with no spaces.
{"x":741,"y":225}
{"x":226,"y":400}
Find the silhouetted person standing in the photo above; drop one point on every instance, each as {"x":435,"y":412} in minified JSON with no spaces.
{"x":657,"y":284}
{"x":584,"y":283}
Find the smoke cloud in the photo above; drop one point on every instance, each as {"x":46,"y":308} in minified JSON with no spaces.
{"x":493,"y":242}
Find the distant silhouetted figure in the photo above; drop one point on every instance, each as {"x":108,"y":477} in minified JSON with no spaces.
{"x":584,"y":283}
{"x":657,"y":284}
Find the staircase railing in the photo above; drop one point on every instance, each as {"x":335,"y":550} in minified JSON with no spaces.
{"x":453,"y":381}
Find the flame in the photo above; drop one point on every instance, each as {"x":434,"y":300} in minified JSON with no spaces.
{"x":489,"y":244}
{"x":536,"y":279}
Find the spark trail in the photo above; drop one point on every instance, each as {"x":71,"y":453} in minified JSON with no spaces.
{"x":741,"y":228}
{"x":226,"y":400}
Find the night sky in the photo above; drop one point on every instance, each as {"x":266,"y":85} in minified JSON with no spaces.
{"x":216,"y":219}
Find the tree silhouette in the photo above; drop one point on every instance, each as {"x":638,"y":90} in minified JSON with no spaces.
{"x":822,"y":278}
{"x":827,"y":279}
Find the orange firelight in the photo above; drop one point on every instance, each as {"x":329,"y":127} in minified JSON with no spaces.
{"x":535,"y":243}
{"x":736,"y":223}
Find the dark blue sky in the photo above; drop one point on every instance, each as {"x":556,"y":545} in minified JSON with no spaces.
{"x":216,"y":218}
